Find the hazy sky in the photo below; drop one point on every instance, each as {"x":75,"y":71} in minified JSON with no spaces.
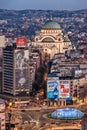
{"x":44,"y":4}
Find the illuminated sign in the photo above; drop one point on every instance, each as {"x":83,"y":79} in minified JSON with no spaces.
{"x":53,"y":88}
{"x":21,"y":42}
{"x":64,"y":88}
{"x":67,"y":113}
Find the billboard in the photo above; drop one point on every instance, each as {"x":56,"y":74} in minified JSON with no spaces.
{"x":53,"y":88}
{"x":21,"y":42}
{"x":64,"y":88}
{"x":21,"y":68}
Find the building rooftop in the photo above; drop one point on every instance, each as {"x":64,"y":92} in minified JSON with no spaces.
{"x":50,"y":24}
{"x":67,"y":113}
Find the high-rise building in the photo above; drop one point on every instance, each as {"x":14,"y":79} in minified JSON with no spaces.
{"x":15,"y":70}
{"x":2,"y":45}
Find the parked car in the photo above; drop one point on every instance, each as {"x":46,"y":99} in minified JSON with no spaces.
{"x":26,"y":122}
{"x":22,"y":110}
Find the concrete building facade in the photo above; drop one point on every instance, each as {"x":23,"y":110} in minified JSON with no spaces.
{"x":2,"y":115}
{"x":15,"y":71}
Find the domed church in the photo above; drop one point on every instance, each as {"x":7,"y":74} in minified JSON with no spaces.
{"x":52,"y":39}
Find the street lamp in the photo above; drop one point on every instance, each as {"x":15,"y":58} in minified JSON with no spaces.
{"x":10,"y":104}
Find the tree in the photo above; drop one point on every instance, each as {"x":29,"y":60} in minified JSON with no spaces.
{"x":40,"y":82}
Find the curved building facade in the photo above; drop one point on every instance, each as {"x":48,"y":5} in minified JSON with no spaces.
{"x":67,"y":113}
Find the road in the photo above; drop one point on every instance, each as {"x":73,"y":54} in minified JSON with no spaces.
{"x":37,"y":113}
{"x":32,"y":114}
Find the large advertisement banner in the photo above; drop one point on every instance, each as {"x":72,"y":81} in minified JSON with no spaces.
{"x":53,"y":88}
{"x":64,"y":89}
{"x":21,"y":68}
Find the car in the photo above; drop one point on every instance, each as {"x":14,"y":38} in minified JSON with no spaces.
{"x":53,"y":122}
{"x":20,"y":117}
{"x":37,"y":122}
{"x":22,"y":110}
{"x":57,"y":123}
{"x":26,"y":122}
{"x":32,"y":121}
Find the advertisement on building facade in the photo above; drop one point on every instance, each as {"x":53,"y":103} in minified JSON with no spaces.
{"x":64,"y":89}
{"x":21,"y":42}
{"x":21,"y":68}
{"x":53,"y":88}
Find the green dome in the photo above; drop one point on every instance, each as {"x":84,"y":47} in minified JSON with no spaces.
{"x":47,"y":39}
{"x":66,"y":39}
{"x":50,"y":24}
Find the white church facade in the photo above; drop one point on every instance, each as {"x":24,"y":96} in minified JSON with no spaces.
{"x":52,"y":39}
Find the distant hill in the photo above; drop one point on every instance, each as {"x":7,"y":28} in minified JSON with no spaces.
{"x":6,"y":14}
{"x":28,"y":22}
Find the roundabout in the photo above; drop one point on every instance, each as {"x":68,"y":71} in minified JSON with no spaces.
{"x":65,"y":119}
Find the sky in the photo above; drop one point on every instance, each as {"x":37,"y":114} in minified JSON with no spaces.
{"x":43,"y":4}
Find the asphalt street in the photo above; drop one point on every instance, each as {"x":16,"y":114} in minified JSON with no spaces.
{"x":37,"y":114}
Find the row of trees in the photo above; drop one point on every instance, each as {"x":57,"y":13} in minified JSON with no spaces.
{"x":40,"y":79}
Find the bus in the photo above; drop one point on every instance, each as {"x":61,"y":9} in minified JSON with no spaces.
{"x":17,"y":104}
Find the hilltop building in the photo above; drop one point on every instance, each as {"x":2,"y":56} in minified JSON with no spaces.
{"x":52,"y":39}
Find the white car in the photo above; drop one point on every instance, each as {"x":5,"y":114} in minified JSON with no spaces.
{"x":25,"y":122}
{"x":32,"y":121}
{"x":20,"y":117}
